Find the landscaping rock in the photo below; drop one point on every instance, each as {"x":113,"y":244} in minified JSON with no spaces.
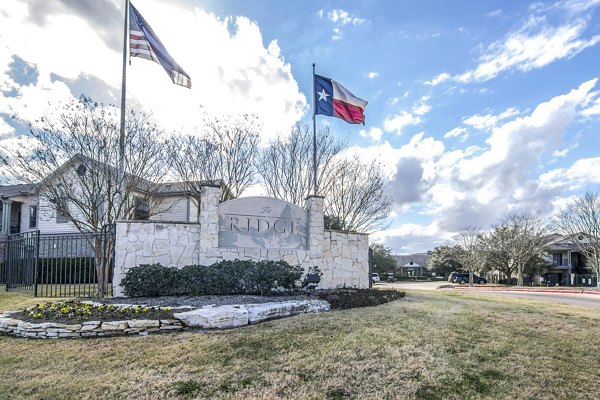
{"x":9,"y":322}
{"x":262,"y":312}
{"x":212,"y":317}
{"x":114,"y":326}
{"x":144,"y":323}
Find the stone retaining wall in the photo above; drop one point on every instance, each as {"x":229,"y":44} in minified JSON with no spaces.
{"x":51,"y":330}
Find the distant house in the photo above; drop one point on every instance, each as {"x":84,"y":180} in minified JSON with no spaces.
{"x":412,"y":264}
{"x":568,"y":264}
{"x":411,"y":268}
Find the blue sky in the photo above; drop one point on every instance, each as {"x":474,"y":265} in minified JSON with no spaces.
{"x":476,"y":108}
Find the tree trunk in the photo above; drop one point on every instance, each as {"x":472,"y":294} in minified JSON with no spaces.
{"x":100,"y":269}
{"x":470,"y":277}
{"x":520,"y":275}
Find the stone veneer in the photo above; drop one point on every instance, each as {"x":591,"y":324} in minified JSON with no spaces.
{"x":342,"y":257}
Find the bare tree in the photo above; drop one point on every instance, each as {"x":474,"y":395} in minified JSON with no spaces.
{"x":353,"y":191}
{"x":469,"y":251}
{"x":227,"y":151}
{"x":286,"y":165}
{"x":526,"y":239}
{"x":355,"y":196}
{"x":72,"y":158}
{"x":495,"y":246}
{"x":579,"y":222}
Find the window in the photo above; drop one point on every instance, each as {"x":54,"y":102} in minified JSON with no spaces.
{"x":61,"y":209}
{"x":141,"y":210}
{"x":32,"y":217}
{"x":557,"y":258}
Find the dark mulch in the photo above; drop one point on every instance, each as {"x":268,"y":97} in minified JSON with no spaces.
{"x":342,"y":299}
{"x":200,"y":301}
{"x":339,"y":299}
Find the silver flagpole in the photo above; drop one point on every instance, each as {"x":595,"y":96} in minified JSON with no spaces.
{"x":314,"y":107}
{"x":121,"y":168}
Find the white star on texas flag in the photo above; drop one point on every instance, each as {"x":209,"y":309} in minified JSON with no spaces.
{"x":323,"y":95}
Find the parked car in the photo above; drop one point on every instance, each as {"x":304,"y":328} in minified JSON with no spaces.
{"x":463,"y":277}
{"x":375,"y":277}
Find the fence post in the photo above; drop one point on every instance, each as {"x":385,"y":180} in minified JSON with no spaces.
{"x":35,"y":262}
{"x":7,"y":273}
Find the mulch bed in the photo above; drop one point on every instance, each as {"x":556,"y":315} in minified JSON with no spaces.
{"x":342,"y":299}
{"x":156,"y":307}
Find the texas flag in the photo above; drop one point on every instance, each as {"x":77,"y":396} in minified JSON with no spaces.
{"x":334,"y":100}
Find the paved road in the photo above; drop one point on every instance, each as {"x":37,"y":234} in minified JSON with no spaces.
{"x":578,"y":299}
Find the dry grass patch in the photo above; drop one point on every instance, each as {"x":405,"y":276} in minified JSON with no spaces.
{"x":430,"y":346}
{"x":18,"y":300}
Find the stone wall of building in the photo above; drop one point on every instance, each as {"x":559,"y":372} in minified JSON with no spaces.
{"x":342,"y":257}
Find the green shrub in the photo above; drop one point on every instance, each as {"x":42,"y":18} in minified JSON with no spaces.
{"x":222,"y":278}
{"x":151,"y":280}
{"x":269,"y":275}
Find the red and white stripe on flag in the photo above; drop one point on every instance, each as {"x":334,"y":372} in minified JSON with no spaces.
{"x":139,"y":46}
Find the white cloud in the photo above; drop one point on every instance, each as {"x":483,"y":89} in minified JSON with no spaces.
{"x":373,"y":133}
{"x":242,"y":76}
{"x":5,"y":129}
{"x":398,"y":122}
{"x":502,"y":178}
{"x":495,"y":13}
{"x":593,"y":109}
{"x":337,"y":34}
{"x":458,"y":131}
{"x":421,"y":107}
{"x":412,"y":238}
{"x":581,"y":174}
{"x":443,"y":77}
{"x":342,"y":18}
{"x":560,"y":153}
{"x":479,"y":185}
{"x":489,"y":121}
{"x":537,"y":43}
{"x":372,"y":75}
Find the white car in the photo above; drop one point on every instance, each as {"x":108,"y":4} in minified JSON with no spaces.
{"x":375,"y":277}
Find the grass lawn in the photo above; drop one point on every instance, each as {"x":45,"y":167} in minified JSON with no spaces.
{"x":432,"y":345}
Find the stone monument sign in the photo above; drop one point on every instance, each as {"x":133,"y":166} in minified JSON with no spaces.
{"x":262,"y":222}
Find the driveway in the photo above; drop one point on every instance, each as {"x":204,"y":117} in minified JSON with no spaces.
{"x":402,"y":285}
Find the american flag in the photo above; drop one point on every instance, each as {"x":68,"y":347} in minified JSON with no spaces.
{"x":144,"y":43}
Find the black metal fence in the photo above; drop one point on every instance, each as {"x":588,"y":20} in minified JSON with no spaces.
{"x":60,"y":265}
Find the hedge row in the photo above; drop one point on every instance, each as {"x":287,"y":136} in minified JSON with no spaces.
{"x":222,"y":278}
